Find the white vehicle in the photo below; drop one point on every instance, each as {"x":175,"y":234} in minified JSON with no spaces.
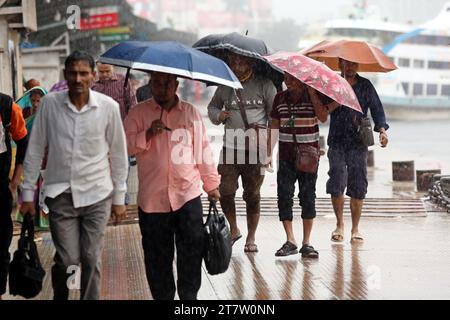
{"x":420,"y":88}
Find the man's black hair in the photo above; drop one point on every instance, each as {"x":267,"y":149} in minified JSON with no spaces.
{"x":80,"y":56}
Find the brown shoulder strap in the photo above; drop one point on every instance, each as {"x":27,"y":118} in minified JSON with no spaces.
{"x":242,"y":109}
{"x":290,"y":114}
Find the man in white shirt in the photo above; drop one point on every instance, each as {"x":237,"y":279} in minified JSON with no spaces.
{"x":86,"y":173}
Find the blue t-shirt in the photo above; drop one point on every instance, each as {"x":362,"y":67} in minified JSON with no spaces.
{"x":343,"y":123}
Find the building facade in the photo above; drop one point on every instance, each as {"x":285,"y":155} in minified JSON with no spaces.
{"x":17,"y":19}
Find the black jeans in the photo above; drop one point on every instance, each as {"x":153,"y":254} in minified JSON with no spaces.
{"x":286,"y":177}
{"x":158,"y":233}
{"x":6,"y":232}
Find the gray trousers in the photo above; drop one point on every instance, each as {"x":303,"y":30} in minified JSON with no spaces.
{"x":78,"y":235}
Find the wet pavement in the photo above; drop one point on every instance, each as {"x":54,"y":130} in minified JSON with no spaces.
{"x":401,"y":258}
{"x":405,"y":255}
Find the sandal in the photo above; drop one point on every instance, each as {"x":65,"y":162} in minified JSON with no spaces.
{"x":356,"y":238}
{"x":287,"y":249}
{"x":308,"y":251}
{"x":250,"y":247}
{"x":337,"y":236}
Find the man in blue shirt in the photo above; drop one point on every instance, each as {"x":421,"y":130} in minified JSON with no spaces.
{"x":347,"y":154}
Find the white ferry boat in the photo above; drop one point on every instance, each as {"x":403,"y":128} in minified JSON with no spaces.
{"x":420,"y":88}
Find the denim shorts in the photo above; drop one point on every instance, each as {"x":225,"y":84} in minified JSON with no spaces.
{"x":348,"y":169}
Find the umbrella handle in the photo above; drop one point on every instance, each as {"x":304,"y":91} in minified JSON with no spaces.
{"x":160,"y":117}
{"x":127,"y":76}
{"x":125,"y":91}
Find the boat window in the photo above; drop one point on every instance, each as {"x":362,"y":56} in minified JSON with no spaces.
{"x":432,"y":89}
{"x":429,"y":40}
{"x":440,"y":65}
{"x":404,"y":62}
{"x":381,"y":36}
{"x":405,"y":86}
{"x":417,"y":89}
{"x":445,"y":90}
{"x":419,"y":64}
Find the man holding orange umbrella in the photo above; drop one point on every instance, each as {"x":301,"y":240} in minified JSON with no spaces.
{"x":348,"y":155}
{"x":347,"y":147}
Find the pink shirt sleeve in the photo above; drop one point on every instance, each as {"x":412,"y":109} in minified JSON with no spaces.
{"x":136,"y":133}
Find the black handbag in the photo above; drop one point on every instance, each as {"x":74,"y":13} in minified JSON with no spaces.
{"x":217,"y":254}
{"x":25,"y":272}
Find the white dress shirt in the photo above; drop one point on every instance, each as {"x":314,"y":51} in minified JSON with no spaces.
{"x":86,"y":150}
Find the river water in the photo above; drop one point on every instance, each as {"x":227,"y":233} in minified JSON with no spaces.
{"x":426,"y":143}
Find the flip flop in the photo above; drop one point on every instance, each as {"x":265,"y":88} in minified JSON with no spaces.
{"x":235,"y":239}
{"x":357,"y":238}
{"x":337,"y":236}
{"x":250,"y":247}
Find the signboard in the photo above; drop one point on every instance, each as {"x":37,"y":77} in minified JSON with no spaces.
{"x":115,"y":37}
{"x":108,"y":31}
{"x":98,"y":18}
{"x":114,"y":34}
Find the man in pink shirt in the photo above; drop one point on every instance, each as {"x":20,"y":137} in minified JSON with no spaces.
{"x":174,"y":159}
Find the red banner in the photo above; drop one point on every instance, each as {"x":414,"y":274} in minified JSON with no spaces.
{"x":100,"y":21}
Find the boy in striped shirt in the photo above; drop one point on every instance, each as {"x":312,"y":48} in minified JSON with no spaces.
{"x":298,"y":111}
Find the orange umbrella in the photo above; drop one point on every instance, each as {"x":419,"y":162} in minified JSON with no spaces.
{"x":369,"y":57}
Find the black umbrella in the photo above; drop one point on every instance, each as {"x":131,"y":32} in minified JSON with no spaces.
{"x":220,"y":44}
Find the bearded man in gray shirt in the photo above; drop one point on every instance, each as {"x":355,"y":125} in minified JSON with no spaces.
{"x":237,"y":111}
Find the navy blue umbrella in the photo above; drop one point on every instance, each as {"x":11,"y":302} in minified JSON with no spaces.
{"x":171,"y":57}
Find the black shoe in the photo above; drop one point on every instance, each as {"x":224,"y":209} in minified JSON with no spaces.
{"x":308,"y":251}
{"x":287,"y":249}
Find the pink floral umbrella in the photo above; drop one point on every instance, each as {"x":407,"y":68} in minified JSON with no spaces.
{"x":316,"y":75}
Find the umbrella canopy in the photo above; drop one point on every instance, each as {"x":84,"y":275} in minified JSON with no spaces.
{"x":171,"y":57}
{"x":219,"y":45}
{"x":316,"y":75}
{"x":369,"y":57}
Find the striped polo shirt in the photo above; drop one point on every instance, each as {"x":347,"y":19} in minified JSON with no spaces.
{"x":114,"y":88}
{"x":301,"y":120}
